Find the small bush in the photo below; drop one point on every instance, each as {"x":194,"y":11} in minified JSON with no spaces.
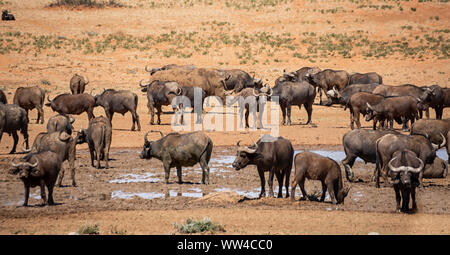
{"x":89,"y":229}
{"x":86,"y":3}
{"x":198,"y":226}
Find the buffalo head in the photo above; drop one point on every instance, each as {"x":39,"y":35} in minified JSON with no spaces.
{"x":244,"y":155}
{"x":25,"y":169}
{"x":147,"y":148}
{"x":405,"y":174}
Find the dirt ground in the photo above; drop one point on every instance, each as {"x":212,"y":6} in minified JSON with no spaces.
{"x":130,"y":197}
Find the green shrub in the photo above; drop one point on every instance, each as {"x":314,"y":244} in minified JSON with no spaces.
{"x":198,"y":226}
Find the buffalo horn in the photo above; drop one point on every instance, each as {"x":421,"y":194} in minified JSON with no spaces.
{"x":86,"y":81}
{"x":162,"y":134}
{"x":23,"y":148}
{"x":145,"y":137}
{"x":405,"y":168}
{"x":48,"y":99}
{"x":146,"y":69}
{"x":436,"y":146}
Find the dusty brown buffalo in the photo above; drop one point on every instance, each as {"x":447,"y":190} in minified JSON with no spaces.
{"x":3,"y":99}
{"x":432,"y":129}
{"x":390,"y":143}
{"x":327,"y":79}
{"x":365,"y":78}
{"x":178,"y":150}
{"x":12,"y":119}
{"x":269,"y":154}
{"x":30,"y":98}
{"x":439,"y":169}
{"x":167,"y":67}
{"x":298,"y":75}
{"x":78,"y":84}
{"x":312,"y":166}
{"x":434,"y":97}
{"x":59,"y":123}
{"x":212,"y":81}
{"x":392,"y":108}
{"x":239,"y":80}
{"x":186,"y":97}
{"x":404,"y":170}
{"x":343,"y":97}
{"x":73,"y":104}
{"x":358,"y":105}
{"x":38,"y":169}
{"x":63,"y":145}
{"x":159,"y":93}
{"x":98,"y":136}
{"x":294,"y":93}
{"x":120,"y":101}
{"x":361,"y":143}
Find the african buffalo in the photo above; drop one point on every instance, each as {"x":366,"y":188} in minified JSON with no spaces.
{"x":73,"y":104}
{"x":404,"y":170}
{"x":38,"y":169}
{"x":12,"y":119}
{"x":327,"y":79}
{"x":59,"y":123}
{"x":159,"y":93}
{"x":298,"y":75}
{"x":358,"y":105}
{"x":61,"y":143}
{"x":294,"y":93}
{"x":361,"y":143}
{"x":432,"y":129}
{"x":434,"y":97}
{"x":239,"y":80}
{"x":178,"y":150}
{"x":250,"y":100}
{"x":98,"y":136}
{"x":343,"y":97}
{"x":365,"y":78}
{"x":439,"y":169}
{"x":167,"y":67}
{"x":121,"y":101}
{"x":7,"y":16}
{"x":185,"y":97}
{"x":391,"y":108}
{"x":78,"y":83}
{"x":312,"y":166}
{"x":30,"y":98}
{"x":268,"y":154}
{"x":390,"y":143}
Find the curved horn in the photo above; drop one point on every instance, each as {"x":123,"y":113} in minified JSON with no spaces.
{"x":142,"y":86}
{"x":48,"y":99}
{"x":71,"y":119}
{"x":146,"y":69}
{"x":14,"y":164}
{"x":63,"y":136}
{"x":179,"y":91}
{"x":417,"y":170}
{"x":86,"y":80}
{"x":32,"y":165}
{"x":162,"y":134}
{"x":335,"y":90}
{"x":395,"y":169}
{"x":438,"y":146}
{"x":23,"y":148}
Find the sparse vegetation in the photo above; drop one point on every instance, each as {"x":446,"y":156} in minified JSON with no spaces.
{"x":198,"y":226}
{"x":89,"y":229}
{"x":86,"y":3}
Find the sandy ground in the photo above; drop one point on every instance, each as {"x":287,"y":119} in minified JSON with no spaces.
{"x":366,"y":209}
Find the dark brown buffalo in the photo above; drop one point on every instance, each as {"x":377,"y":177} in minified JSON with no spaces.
{"x":365,"y":78}
{"x":298,"y":75}
{"x":361,"y":143}
{"x":394,"y":108}
{"x":159,"y":93}
{"x":59,"y":123}
{"x":404,"y":170}
{"x":249,"y":100}
{"x":7,"y":16}
{"x":432,"y":129}
{"x":358,"y":105}
{"x":294,"y":93}
{"x":434,"y":97}
{"x":343,"y":97}
{"x":446,"y":97}
{"x":61,"y":143}
{"x":327,"y":79}
{"x":78,"y":84}
{"x":239,"y":80}
{"x":167,"y":67}
{"x":98,"y":136}
{"x":269,"y":154}
{"x":73,"y":104}
{"x":312,"y":166}
{"x":3,"y":99}
{"x":186,"y":97}
{"x":390,"y":143}
{"x":12,"y":119}
{"x":401,"y":90}
{"x":212,"y":81}
{"x":30,"y":98}
{"x":120,"y":101}
{"x":439,"y":169}
{"x":178,"y":150}
{"x":38,"y":169}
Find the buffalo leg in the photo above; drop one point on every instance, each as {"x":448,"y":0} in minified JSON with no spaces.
{"x":286,"y":173}
{"x":413,"y":198}
{"x":398,"y":198}
{"x":309,"y":110}
{"x":159,"y":111}
{"x":98,"y":154}
{"x":16,"y":140}
{"x":348,"y":162}
{"x":405,"y":199}
{"x":324,"y":191}
{"x":43,"y":196}
{"x":293,"y":186}
{"x":41,"y":114}
{"x":60,"y":176}
{"x":179,"y":174}
{"x":27,"y":194}
{"x":301,"y":184}
{"x":205,"y":170}
{"x":151,"y":109}
{"x":270,"y":181}
{"x":247,"y":113}
{"x":288,"y":108}
{"x":352,"y":120}
{"x":439,"y":111}
{"x":283,"y":110}
{"x":332,"y":190}
{"x":263,"y":183}
{"x":135,"y":117}
{"x":166,"y":172}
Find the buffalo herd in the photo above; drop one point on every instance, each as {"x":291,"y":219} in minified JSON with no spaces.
{"x":402,"y":160}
